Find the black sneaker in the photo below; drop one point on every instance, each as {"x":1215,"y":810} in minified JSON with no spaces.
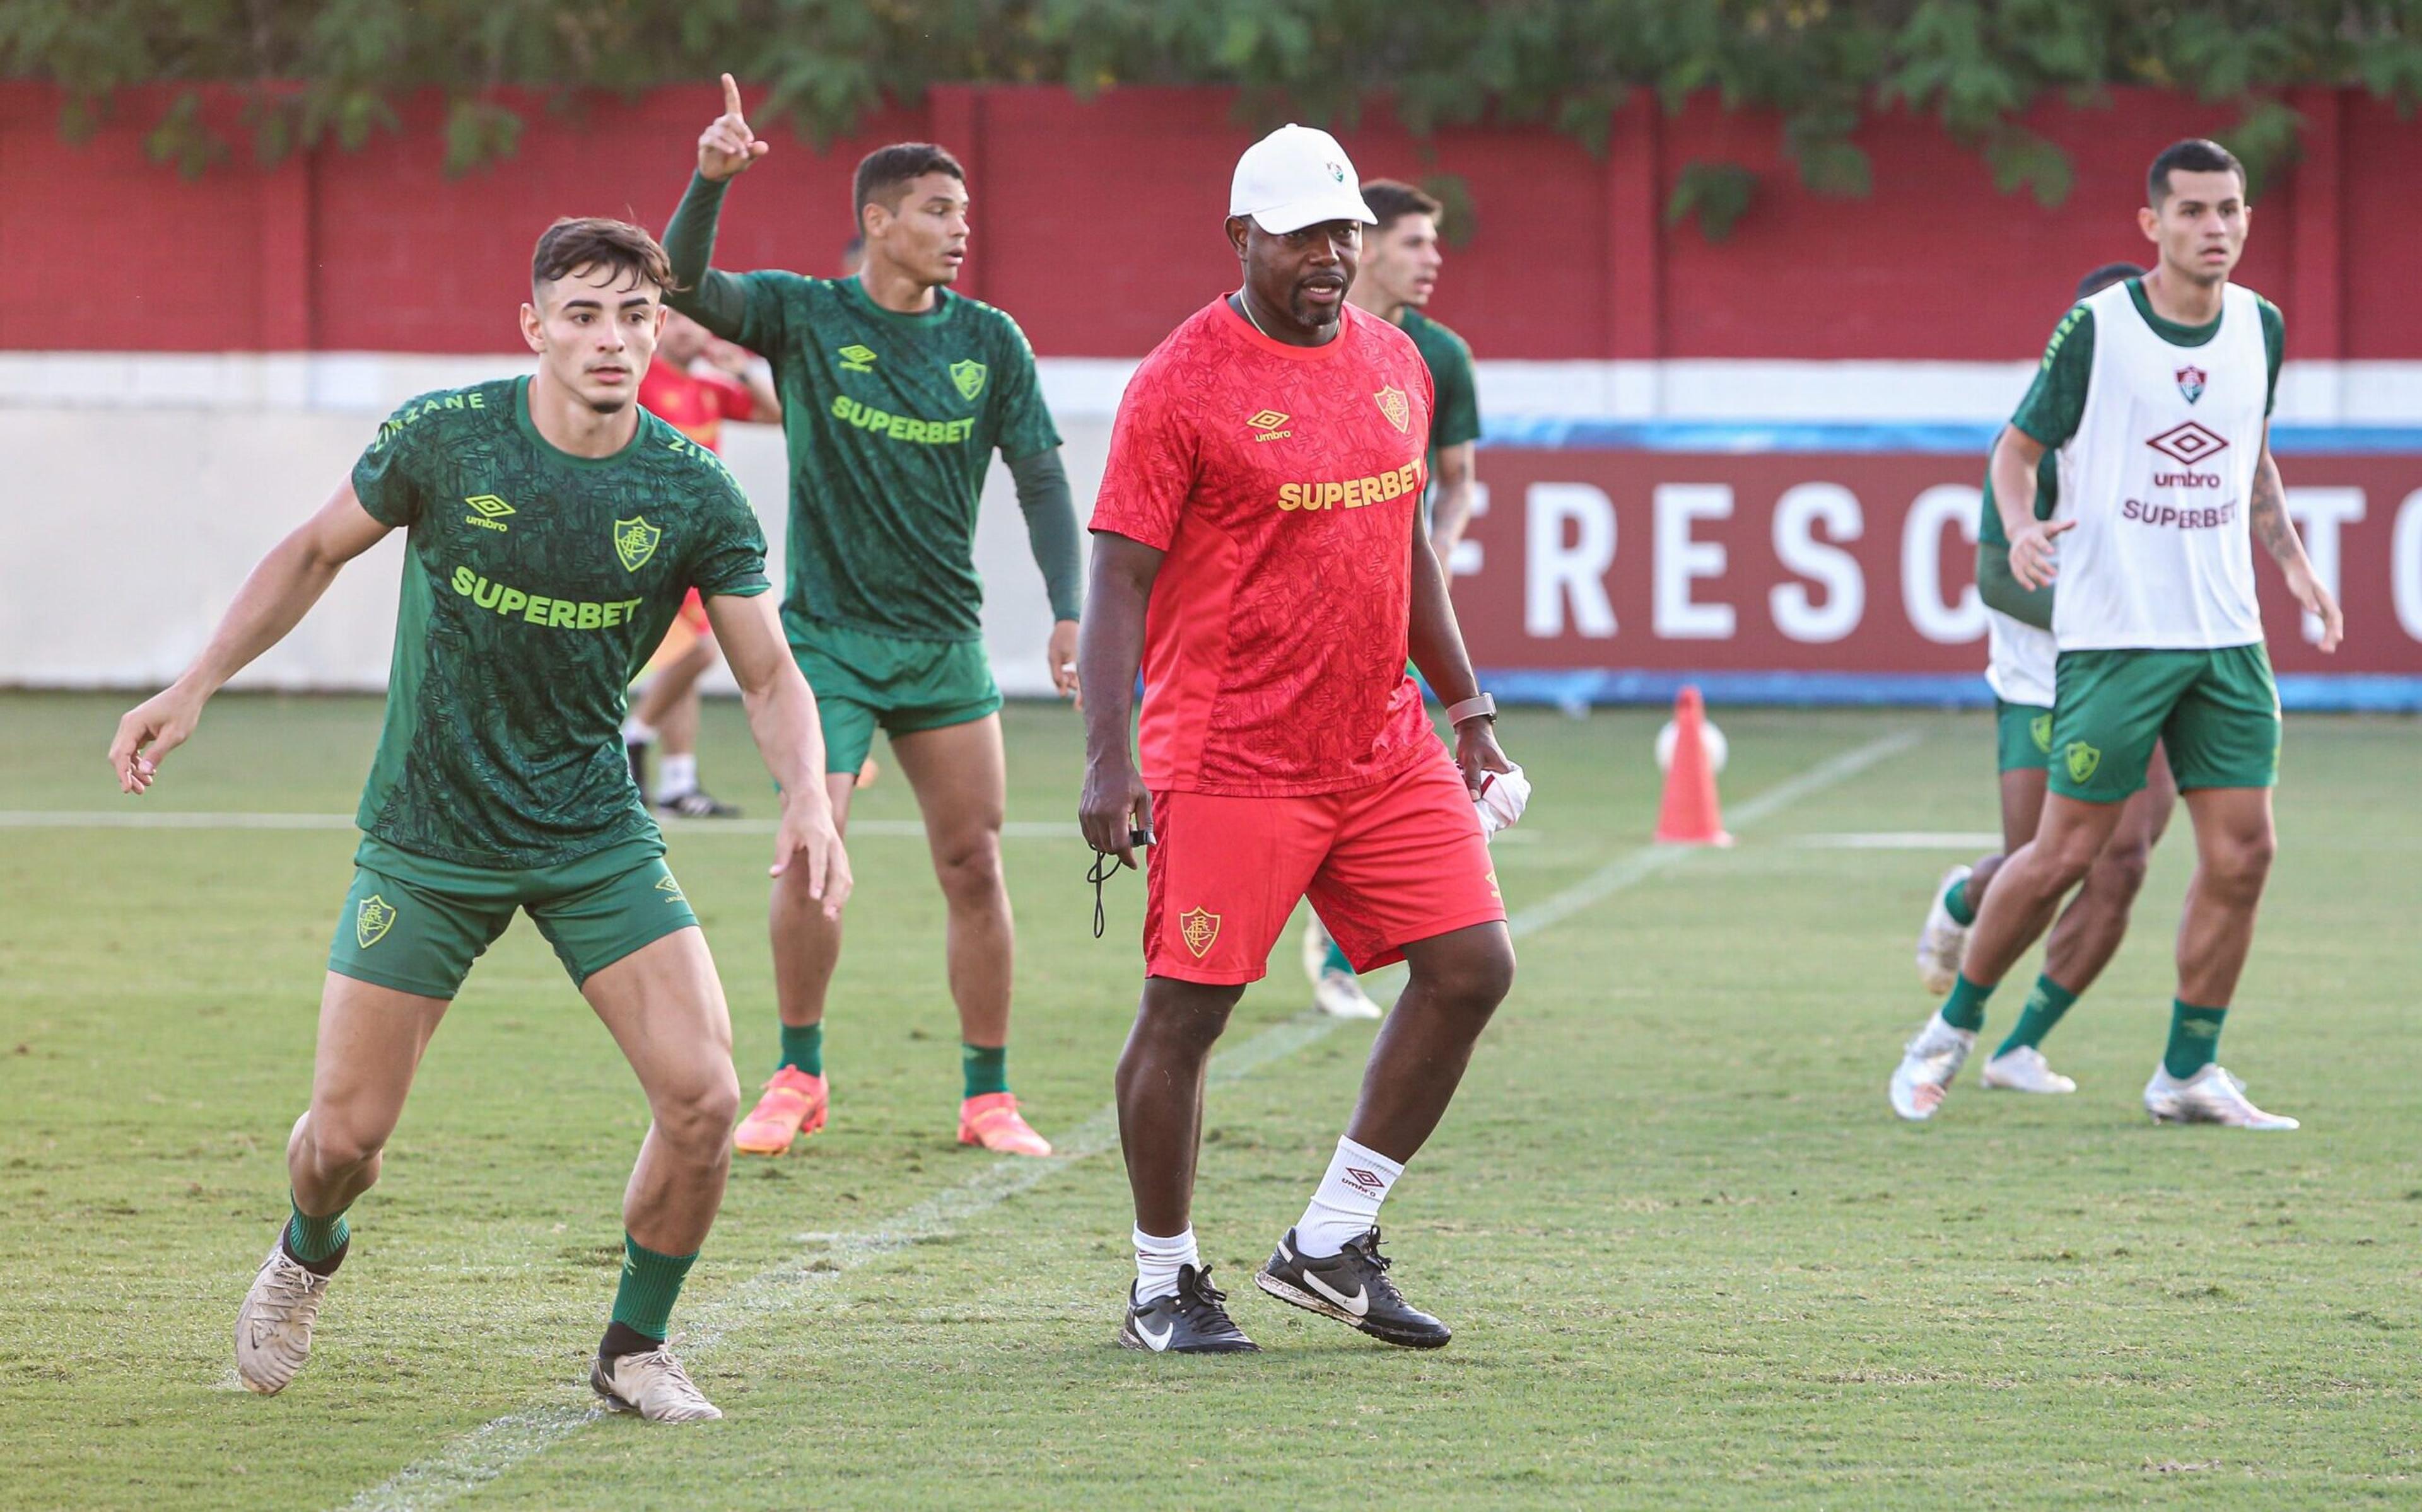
{"x":1351,"y":1287}
{"x":1191,"y":1322}
{"x":698,"y":804}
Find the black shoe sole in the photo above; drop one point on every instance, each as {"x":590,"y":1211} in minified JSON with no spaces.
{"x":1127,"y":1340}
{"x":1295,"y":1297}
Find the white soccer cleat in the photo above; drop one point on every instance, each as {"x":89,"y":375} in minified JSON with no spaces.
{"x":272,"y":1328}
{"x":1943,"y":944}
{"x":2023,"y":1069}
{"x":2211,"y":1095}
{"x":652,"y":1384}
{"x":1928,"y":1065}
{"x":1340,"y":995}
{"x":1336,"y":994}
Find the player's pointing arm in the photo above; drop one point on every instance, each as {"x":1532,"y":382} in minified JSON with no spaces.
{"x":273,"y":600}
{"x":715,"y":300}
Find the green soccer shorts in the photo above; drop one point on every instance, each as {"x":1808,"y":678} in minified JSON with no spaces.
{"x":415,"y":923}
{"x":863,"y":679}
{"x":2022,"y":737}
{"x":2217,"y":711}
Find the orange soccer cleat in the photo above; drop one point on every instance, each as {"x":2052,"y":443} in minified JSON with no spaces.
{"x":794,"y":1104}
{"x":992,"y":1121}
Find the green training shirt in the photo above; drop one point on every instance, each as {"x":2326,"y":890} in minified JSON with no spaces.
{"x":1999,"y":589}
{"x":891,"y":421}
{"x":1455,"y":418}
{"x":535,"y":585}
{"x":2055,"y":403}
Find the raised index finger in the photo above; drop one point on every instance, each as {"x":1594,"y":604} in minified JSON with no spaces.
{"x":730,"y":95}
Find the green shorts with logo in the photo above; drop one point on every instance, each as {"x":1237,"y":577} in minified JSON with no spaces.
{"x":2022,"y":736}
{"x":862,"y":679}
{"x":415,"y":923}
{"x":2217,"y":712}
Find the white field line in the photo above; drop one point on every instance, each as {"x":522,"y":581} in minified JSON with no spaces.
{"x":504,"y":1444}
{"x":1975,"y":840}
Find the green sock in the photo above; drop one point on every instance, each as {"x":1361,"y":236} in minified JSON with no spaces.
{"x":651,"y":1283}
{"x":2194,"y":1038}
{"x":803,"y":1047}
{"x":313,"y":1240}
{"x":986,"y":1069}
{"x":1336,"y":961}
{"x":1954,"y":902}
{"x":2045,"y":1005}
{"x":1965,"y":1007}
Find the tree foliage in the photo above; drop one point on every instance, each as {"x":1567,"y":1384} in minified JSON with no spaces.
{"x":315,"y":70}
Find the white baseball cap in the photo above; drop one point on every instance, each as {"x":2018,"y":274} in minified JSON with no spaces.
{"x":1296,"y":176}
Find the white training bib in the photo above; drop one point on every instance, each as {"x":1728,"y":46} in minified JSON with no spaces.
{"x":2018,"y":669}
{"x":2158,"y":478}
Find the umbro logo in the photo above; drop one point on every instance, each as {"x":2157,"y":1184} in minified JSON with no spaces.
{"x":1368,"y":1181}
{"x":1269,"y":425}
{"x":856,"y":359}
{"x":488,"y":512}
{"x":2190,"y":442}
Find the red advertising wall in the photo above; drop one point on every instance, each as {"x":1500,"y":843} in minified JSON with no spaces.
{"x":1097,"y":225}
{"x":1848,"y":563}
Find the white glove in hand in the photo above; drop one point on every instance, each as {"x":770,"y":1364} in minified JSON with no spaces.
{"x":1503,"y":797}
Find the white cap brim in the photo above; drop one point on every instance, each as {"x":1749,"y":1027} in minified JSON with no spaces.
{"x":1344,"y":205}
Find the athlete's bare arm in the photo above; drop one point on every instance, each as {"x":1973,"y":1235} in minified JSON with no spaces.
{"x":273,"y":600}
{"x":2268,"y":514}
{"x":1451,"y":511}
{"x":2015,"y":457}
{"x":1436,"y":643}
{"x":782,"y":719}
{"x":1109,"y":650}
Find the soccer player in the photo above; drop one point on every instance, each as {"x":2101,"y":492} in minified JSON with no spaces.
{"x":2020,"y":669}
{"x":554,"y":528}
{"x":733,"y":388}
{"x":1257,"y":550}
{"x":895,"y":393}
{"x":1398,"y":275}
{"x":2159,"y":634}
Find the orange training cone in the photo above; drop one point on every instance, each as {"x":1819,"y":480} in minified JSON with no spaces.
{"x":1689,"y":815}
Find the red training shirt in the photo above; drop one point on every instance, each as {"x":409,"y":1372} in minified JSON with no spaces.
{"x":1284,"y":484}
{"x":695,"y":406}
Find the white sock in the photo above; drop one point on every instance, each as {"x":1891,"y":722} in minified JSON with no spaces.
{"x":676,"y":775}
{"x":1157,"y":1260}
{"x":637,"y":731}
{"x":1346,"y":1203}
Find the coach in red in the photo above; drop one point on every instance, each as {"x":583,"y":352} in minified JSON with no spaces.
{"x":1257,"y":550}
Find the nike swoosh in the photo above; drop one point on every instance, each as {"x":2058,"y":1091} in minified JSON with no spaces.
{"x":1157,"y":1341}
{"x":1358,"y":1304}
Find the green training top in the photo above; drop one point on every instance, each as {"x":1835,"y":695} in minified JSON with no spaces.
{"x":1994,"y":583}
{"x":535,"y":585}
{"x":2055,"y":403}
{"x":891,"y":420}
{"x":1454,"y":418}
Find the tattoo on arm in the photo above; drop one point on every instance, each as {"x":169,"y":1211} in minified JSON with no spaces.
{"x":2269,"y":513}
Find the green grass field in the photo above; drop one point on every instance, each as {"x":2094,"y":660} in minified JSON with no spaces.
{"x":1691,"y":1259}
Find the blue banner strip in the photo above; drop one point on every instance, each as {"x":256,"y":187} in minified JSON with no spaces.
{"x":1926,"y":437}
{"x":2301,"y":693}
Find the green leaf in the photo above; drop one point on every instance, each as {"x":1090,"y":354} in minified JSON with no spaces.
{"x":1718,"y":194}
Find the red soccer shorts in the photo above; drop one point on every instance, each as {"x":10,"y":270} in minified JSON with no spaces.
{"x":693,"y":613}
{"x":1388,"y":864}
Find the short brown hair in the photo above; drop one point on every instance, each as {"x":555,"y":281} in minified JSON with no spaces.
{"x":575,"y":242}
{"x":887,"y":170}
{"x":1390,"y":201}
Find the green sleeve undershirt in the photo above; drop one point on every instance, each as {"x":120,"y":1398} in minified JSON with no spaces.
{"x":715,"y":300}
{"x":1050,"y":527}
